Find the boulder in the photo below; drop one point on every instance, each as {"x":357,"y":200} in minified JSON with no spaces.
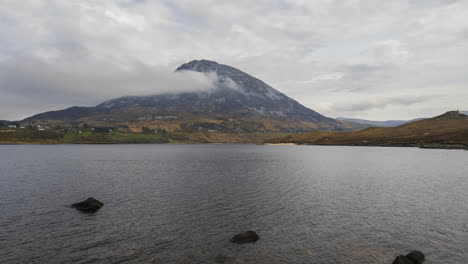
{"x":245,"y":237}
{"x":416,"y":256}
{"x":89,"y":205}
{"x":402,"y":260}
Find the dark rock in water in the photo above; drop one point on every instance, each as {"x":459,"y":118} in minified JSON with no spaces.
{"x":89,"y":205}
{"x":220,"y":258}
{"x":402,"y":260}
{"x":245,"y":237}
{"x":416,"y":256}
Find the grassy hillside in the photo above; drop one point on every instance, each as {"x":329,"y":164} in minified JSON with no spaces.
{"x":449,"y":130}
{"x":135,"y":118}
{"x":105,"y":135}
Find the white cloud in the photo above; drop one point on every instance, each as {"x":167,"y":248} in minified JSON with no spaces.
{"x":326,"y":77}
{"x":30,"y":82}
{"x":376,"y":103}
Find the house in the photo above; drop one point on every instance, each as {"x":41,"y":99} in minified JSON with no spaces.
{"x":11,"y":126}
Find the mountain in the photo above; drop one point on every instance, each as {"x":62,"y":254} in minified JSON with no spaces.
{"x":387,"y":123}
{"x":449,"y":130}
{"x":464,"y":112}
{"x":240,"y":103}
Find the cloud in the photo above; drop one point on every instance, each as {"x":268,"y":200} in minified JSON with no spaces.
{"x":32,"y":77}
{"x":378,"y":103}
{"x":30,"y":81}
{"x":326,"y":77}
{"x":63,"y":53}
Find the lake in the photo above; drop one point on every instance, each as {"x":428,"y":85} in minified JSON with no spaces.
{"x":182,"y":203}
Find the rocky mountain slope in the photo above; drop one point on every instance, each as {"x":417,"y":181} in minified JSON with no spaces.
{"x":240,"y":103}
{"x":449,"y":130}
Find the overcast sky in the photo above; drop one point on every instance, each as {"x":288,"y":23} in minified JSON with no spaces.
{"x":365,"y":59}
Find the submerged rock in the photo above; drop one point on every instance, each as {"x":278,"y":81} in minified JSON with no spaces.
{"x":220,"y":258}
{"x":89,"y":205}
{"x":416,"y":256}
{"x":245,"y":237}
{"x":402,"y":260}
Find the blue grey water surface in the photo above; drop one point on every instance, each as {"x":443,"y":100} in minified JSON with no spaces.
{"x":181,"y":204}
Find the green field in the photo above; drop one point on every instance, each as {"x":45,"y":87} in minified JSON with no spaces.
{"x":28,"y":136}
{"x":88,"y":136}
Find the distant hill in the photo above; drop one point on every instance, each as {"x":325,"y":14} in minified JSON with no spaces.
{"x":449,"y":130}
{"x":387,"y":123}
{"x":240,"y":103}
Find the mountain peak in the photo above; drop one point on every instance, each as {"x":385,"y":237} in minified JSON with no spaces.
{"x":241,"y":87}
{"x":199,"y":65}
{"x":206,"y":66}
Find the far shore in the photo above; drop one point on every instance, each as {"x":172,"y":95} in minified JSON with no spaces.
{"x":280,"y":144}
{"x":422,"y":146}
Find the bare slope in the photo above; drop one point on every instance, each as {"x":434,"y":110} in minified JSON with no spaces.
{"x":444,"y":131}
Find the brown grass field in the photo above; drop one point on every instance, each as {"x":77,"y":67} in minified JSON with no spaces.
{"x":449,"y":130}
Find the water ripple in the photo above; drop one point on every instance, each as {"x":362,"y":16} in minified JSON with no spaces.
{"x":181,"y":204}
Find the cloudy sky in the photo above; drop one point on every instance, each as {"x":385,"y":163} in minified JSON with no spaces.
{"x":367,"y":59}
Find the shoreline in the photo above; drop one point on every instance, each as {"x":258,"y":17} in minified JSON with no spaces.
{"x":423,"y":146}
{"x":280,"y":144}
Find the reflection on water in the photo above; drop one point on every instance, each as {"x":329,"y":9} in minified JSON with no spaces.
{"x":182,"y":203}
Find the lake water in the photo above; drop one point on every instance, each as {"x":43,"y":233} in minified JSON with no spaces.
{"x":182,"y":203}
